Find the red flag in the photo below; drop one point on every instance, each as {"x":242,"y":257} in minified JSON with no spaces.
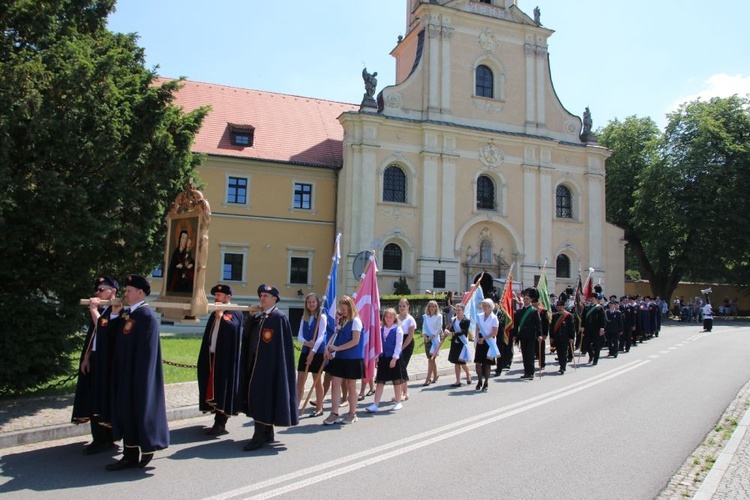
{"x":368,"y":306}
{"x":587,"y":288}
{"x":506,"y":305}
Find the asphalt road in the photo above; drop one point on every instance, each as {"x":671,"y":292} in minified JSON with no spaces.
{"x":617,"y":430}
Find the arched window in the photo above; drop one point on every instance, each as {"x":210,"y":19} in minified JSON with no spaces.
{"x":564,"y":203}
{"x":562,"y":266}
{"x":485,"y":193}
{"x":394,"y":184}
{"x":392,"y":257}
{"x":484,"y":81}
{"x":485,"y":252}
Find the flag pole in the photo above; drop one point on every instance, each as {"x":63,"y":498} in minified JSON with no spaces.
{"x":317,"y":322}
{"x":464,"y":301}
{"x":591,"y":270}
{"x":546,"y":286}
{"x":335,"y":334}
{"x":508,"y":282}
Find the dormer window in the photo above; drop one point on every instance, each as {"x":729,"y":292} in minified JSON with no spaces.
{"x":241,"y":135}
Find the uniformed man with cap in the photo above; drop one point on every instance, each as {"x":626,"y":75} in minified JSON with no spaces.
{"x":85,"y":405}
{"x":219,"y":362}
{"x":613,"y":328}
{"x":139,"y":415}
{"x":592,"y":328}
{"x":269,"y":389}
{"x":563,"y":331}
{"x":527,"y":328}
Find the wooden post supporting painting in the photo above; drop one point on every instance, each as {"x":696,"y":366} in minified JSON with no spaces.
{"x":185,"y":257}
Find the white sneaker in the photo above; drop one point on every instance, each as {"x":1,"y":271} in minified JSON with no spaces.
{"x":373,"y":408}
{"x":397,"y":406}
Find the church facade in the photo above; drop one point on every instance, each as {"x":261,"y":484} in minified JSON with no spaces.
{"x":468,"y":164}
{"x":471,"y":164}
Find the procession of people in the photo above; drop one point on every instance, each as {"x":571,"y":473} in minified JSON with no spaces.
{"x":246,"y":363}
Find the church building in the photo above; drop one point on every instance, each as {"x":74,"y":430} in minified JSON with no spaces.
{"x":468,"y":164}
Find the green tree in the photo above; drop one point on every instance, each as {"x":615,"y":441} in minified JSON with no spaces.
{"x":92,"y":151}
{"x":679,"y":195}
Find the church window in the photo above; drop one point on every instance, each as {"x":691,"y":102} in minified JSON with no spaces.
{"x":484,"y":81}
{"x":392,"y":257}
{"x":562,"y":266}
{"x":394,"y":185}
{"x":485,"y":193}
{"x":564,"y":203}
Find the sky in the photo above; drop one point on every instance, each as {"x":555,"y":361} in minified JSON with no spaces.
{"x":619,"y":57}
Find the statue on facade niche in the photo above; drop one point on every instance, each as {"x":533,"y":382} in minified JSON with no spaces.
{"x":537,"y":16}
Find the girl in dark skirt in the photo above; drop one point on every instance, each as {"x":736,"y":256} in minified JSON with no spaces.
{"x":487,"y":326}
{"x":389,"y":369}
{"x":459,"y":328}
{"x":347,"y":365}
{"x":312,"y":335}
{"x":408,"y":324}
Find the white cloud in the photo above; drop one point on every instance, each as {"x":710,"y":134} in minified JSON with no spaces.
{"x":719,"y":85}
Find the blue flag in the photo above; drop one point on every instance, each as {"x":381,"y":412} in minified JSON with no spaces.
{"x":329,"y":301}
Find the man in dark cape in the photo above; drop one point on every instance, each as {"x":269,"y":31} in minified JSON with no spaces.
{"x":563,"y":331}
{"x":269,"y":388}
{"x":85,"y":407}
{"x":139,"y":414}
{"x":219,"y":362}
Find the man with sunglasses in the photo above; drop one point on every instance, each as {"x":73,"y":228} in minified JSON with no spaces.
{"x":91,"y":363}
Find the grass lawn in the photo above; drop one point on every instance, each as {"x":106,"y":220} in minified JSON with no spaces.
{"x":181,"y":350}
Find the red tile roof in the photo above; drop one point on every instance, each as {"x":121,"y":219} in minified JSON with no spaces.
{"x":288,"y":128}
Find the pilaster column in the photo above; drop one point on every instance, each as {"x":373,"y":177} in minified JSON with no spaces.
{"x":429,"y":205}
{"x":529,"y":213}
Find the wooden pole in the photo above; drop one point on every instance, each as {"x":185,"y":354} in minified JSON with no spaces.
{"x":179,"y":305}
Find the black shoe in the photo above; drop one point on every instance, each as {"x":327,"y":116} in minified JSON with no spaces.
{"x":123,"y":463}
{"x":479,"y":385}
{"x":253,"y":445}
{"x":216,"y":430}
{"x":93,"y":448}
{"x":594,"y":363}
{"x":145,"y":459}
{"x":484,"y":387}
{"x":561,"y":372}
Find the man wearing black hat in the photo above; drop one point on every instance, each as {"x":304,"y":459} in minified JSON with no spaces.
{"x":219,"y":362}
{"x":563,"y":331}
{"x":269,"y":389}
{"x":139,"y":415}
{"x":85,"y":407}
{"x":613,"y":328}
{"x":628,"y":323}
{"x":527,"y":328}
{"x":592,"y":329}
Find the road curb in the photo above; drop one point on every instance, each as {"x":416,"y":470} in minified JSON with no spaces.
{"x":64,"y":431}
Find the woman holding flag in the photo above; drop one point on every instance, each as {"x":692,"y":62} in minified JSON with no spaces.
{"x":432,"y":326}
{"x":459,"y":352}
{"x":313,"y":346}
{"x":346,"y":355}
{"x":487,"y":326}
